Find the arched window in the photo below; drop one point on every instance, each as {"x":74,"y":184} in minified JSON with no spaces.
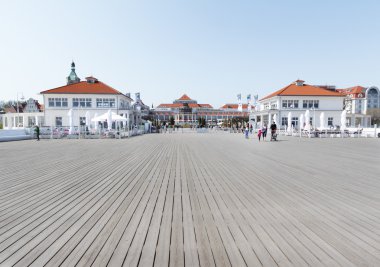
{"x":373,"y":98}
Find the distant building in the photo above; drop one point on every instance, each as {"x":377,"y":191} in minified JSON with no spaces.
{"x":91,"y":96}
{"x":23,"y":114}
{"x":140,"y":111}
{"x":185,"y":110}
{"x":361,"y":103}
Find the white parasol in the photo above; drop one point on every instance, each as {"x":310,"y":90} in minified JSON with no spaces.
{"x":88,"y":119}
{"x":289,"y":121}
{"x":70,"y":115}
{"x":96,"y":122}
{"x":302,"y":121}
{"x":307,"y":120}
{"x":322,"y":121}
{"x":343,"y":120}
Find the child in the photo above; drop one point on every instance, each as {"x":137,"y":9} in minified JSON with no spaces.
{"x":264,"y":132}
{"x":259,"y":134}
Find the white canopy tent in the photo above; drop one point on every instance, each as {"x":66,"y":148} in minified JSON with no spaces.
{"x":104,"y":117}
{"x":109,"y":117}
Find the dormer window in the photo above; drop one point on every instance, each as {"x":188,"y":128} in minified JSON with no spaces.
{"x":299,"y":82}
{"x":91,"y":79}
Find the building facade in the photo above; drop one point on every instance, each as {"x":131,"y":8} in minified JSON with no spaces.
{"x":140,"y":111}
{"x":23,"y":115}
{"x":187,"y":111}
{"x":362,"y":104}
{"x":91,"y":97}
{"x":295,"y":99}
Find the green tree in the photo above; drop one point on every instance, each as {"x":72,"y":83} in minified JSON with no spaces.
{"x":172,"y":122}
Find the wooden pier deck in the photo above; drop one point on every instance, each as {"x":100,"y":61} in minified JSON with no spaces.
{"x":190,"y":200}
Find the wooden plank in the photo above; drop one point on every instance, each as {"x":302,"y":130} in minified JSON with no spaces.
{"x":190,"y":200}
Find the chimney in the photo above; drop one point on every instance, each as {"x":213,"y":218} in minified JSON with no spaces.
{"x":299,"y":82}
{"x":128,"y":95}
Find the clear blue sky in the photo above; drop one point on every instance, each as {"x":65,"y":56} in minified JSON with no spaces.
{"x":211,"y":50}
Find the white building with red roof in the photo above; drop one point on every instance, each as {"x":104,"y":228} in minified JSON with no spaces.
{"x":185,"y":110}
{"x":295,"y":99}
{"x":362,"y":103}
{"x":91,"y":95}
{"x":23,"y":114}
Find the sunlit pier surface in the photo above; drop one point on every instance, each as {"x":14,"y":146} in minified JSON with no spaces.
{"x":190,"y":200}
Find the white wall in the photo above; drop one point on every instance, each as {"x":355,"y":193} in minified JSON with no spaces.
{"x":316,"y":122}
{"x":325,"y":102}
{"x":52,"y":112}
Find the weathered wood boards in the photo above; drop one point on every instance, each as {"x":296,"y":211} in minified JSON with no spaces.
{"x":190,"y":200}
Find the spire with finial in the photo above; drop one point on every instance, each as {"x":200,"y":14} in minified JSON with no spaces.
{"x":73,"y":77}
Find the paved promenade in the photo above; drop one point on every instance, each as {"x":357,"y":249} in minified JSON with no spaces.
{"x":190,"y":200}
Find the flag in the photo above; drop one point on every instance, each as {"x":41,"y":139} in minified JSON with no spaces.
{"x":249,"y":102}
{"x":239,"y":97}
{"x":240,"y":107}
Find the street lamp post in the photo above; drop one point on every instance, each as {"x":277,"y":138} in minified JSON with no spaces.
{"x":18,"y":110}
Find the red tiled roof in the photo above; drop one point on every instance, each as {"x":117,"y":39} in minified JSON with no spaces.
{"x":304,"y":90}
{"x":84,"y":88}
{"x":175,"y":105}
{"x":194,"y":105}
{"x":10,"y":109}
{"x":179,"y":105}
{"x":184,"y":97}
{"x":352,"y":90}
{"x":205,"y":105}
{"x":234,"y":106}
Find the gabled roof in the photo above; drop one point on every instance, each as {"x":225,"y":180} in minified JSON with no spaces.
{"x":10,"y":109}
{"x":84,"y":88}
{"x":304,"y":90}
{"x":184,"y":97}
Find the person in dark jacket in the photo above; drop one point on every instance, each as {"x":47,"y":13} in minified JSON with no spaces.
{"x":37,"y":131}
{"x":273,"y":129}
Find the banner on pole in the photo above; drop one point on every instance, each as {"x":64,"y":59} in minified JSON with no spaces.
{"x":249,"y":107}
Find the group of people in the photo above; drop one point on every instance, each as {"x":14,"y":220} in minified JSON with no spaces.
{"x":262,"y":132}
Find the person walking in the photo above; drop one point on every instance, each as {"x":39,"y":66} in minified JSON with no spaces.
{"x":264,"y":132}
{"x":273,"y":129}
{"x":259,"y":133}
{"x":37,"y":131}
{"x":246,"y":132}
